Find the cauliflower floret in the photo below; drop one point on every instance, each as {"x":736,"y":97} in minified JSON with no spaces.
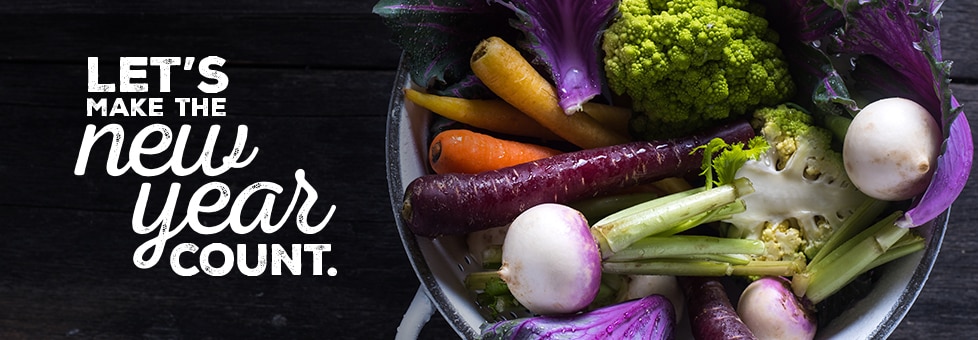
{"x":801,"y":187}
{"x":784,"y":241}
{"x":686,"y":64}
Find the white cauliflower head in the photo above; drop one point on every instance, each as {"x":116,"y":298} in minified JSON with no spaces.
{"x":800,"y":179}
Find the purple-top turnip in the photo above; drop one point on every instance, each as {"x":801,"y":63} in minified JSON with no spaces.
{"x":772,"y":311}
{"x":551,"y":263}
{"x":891,"y":147}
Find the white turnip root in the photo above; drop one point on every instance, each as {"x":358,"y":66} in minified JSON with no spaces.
{"x":551,"y":262}
{"x":891,"y":148}
{"x":638,"y":286}
{"x":772,"y":311}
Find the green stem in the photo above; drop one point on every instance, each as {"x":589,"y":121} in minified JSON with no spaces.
{"x":620,"y":232}
{"x":863,"y":216}
{"x":477,"y":280}
{"x":852,"y":242}
{"x":897,"y":251}
{"x":838,"y":125}
{"x":649,"y":204}
{"x":685,"y":245}
{"x":687,"y":267}
{"x":492,"y":257}
{"x":766,"y":268}
{"x":735,"y":259}
{"x":595,"y":209}
{"x":834,"y":272}
{"x":720,"y":214}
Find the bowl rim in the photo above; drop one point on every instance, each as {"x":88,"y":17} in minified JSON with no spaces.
{"x":395,"y":186}
{"x":443,"y":304}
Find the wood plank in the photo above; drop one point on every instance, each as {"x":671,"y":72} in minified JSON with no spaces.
{"x":306,"y":40}
{"x":958,"y":38}
{"x":188,"y":6}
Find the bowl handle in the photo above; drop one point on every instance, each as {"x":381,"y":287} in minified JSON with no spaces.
{"x":416,"y":316}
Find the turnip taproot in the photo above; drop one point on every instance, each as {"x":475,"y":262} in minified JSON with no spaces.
{"x":891,"y":148}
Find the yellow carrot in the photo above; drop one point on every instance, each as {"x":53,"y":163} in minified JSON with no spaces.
{"x":490,"y":114}
{"x":615,"y":118}
{"x":671,"y":185}
{"x":510,"y":76}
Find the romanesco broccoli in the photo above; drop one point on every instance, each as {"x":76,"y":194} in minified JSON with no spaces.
{"x":802,"y":193}
{"x":686,"y":64}
{"x":784,"y":242}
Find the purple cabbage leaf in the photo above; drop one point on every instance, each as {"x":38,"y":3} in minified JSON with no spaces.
{"x":803,"y":26}
{"x":564,"y":35}
{"x":651,"y":317}
{"x":438,"y":36}
{"x":851,"y":52}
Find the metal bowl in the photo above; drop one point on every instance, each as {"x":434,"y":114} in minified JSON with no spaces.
{"x":442,"y":263}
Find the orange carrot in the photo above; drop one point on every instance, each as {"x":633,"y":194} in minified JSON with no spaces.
{"x":466,"y":151}
{"x":510,"y":76}
{"x":490,"y":114}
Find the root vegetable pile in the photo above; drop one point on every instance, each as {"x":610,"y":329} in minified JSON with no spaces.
{"x":570,"y":195}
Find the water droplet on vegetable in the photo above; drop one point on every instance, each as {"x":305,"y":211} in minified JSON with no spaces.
{"x":572,"y":76}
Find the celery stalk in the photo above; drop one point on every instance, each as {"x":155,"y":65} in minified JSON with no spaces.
{"x":852,"y":258}
{"x":686,"y":245}
{"x":688,"y":267}
{"x":620,"y":232}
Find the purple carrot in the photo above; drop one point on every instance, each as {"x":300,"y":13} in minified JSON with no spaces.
{"x":711,"y":315}
{"x":453,"y":204}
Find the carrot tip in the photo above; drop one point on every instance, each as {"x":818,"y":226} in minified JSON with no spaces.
{"x":435,"y":152}
{"x":480,"y":51}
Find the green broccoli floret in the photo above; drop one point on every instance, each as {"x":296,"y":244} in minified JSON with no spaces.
{"x":686,"y":64}
{"x":802,"y":193}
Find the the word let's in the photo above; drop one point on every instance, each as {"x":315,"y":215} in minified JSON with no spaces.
{"x":133,"y":77}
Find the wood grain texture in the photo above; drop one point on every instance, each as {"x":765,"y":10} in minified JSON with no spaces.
{"x":256,"y":39}
{"x":312,"y":81}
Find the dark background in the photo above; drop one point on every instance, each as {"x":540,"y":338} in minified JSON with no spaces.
{"x":312,"y":82}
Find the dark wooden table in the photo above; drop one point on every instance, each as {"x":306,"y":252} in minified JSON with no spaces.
{"x":311,"y":81}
